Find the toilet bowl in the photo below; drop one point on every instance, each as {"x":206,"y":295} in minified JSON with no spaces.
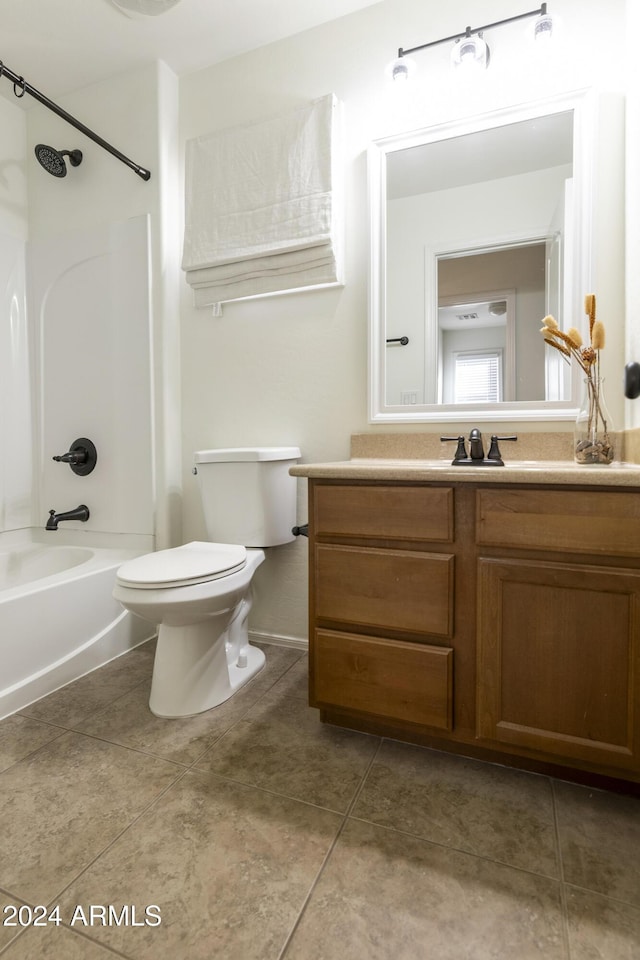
{"x":200,"y":594}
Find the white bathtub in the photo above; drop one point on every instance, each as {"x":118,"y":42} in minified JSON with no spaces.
{"x":58,"y":619}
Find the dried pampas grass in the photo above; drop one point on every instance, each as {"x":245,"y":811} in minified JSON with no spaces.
{"x":571,"y":344}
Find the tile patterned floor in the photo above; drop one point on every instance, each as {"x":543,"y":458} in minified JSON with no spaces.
{"x":261,"y":834}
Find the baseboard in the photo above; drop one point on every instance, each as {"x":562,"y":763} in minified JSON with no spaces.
{"x":294,"y":642}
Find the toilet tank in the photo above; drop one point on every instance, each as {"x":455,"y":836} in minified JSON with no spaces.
{"x":247,"y":494}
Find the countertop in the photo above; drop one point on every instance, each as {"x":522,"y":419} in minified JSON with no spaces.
{"x":617,"y":474}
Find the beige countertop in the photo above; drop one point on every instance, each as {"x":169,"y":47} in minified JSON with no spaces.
{"x":618,"y":474}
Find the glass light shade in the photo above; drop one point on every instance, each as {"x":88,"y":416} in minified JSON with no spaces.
{"x":402,"y":68}
{"x":543,"y":28}
{"x":470,"y":53}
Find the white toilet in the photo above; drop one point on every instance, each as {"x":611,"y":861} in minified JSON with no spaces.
{"x":200,"y":594}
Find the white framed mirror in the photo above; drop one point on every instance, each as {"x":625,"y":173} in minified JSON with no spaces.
{"x":468,"y":219}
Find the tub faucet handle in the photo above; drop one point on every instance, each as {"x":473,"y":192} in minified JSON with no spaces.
{"x":73,"y":456}
{"x":81,"y":456}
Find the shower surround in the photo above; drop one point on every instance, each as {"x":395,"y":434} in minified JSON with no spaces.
{"x":78,"y":365}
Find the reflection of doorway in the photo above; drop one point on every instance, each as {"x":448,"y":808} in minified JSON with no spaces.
{"x":465,"y":277}
{"x":476,"y":347}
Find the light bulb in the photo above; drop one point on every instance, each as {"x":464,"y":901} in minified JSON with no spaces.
{"x":402,"y":68}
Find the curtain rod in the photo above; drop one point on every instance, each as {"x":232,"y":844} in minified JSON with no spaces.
{"x":20,"y":87}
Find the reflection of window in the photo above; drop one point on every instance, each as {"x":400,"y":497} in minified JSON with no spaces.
{"x":478,"y":376}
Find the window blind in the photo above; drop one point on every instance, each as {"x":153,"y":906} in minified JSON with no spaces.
{"x":478,"y":376}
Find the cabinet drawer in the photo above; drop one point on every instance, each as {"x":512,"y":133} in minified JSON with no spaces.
{"x":387,"y":589}
{"x":388,"y":678}
{"x":383,"y":512}
{"x":563,"y":520}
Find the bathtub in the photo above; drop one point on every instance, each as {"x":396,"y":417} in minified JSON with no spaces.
{"x":58,"y":619}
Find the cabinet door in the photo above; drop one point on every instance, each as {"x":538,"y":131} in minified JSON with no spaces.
{"x":559,"y":659}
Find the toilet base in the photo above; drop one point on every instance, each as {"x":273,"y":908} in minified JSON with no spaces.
{"x":193,"y":672}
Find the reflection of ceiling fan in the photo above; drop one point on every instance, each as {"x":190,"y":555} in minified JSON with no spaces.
{"x":144,"y":8}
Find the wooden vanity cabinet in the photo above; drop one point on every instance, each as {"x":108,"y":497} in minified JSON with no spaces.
{"x":499,"y":621}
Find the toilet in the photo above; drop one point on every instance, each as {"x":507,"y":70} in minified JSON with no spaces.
{"x":199,"y":594}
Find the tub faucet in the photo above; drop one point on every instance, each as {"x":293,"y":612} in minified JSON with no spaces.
{"x":80,"y":513}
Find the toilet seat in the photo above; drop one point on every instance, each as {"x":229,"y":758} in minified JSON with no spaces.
{"x":196,"y":562}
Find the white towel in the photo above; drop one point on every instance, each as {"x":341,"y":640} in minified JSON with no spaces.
{"x":261,"y":207}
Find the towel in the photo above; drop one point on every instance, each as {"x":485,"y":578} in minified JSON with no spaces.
{"x":261,"y":210}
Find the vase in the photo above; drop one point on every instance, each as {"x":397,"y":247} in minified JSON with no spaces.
{"x":593,"y":432}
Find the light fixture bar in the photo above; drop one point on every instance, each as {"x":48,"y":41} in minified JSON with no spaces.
{"x":541,"y":11}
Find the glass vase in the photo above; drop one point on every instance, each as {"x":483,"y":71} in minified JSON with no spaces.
{"x":593,"y":432}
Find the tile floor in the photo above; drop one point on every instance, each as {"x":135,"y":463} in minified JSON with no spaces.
{"x":256,"y":833}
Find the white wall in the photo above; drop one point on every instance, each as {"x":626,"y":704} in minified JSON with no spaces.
{"x":293,"y":369}
{"x":632,"y":236}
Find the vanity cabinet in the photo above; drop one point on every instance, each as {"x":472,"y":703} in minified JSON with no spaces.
{"x":500,"y":621}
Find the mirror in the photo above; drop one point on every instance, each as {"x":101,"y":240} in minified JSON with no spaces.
{"x":479,"y":228}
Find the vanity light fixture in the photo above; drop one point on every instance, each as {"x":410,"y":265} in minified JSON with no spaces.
{"x":470,"y":49}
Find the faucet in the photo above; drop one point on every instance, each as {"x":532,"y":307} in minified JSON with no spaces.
{"x":80,"y":513}
{"x":475,"y":445}
{"x":476,"y":456}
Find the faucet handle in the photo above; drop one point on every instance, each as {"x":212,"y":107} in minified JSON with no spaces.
{"x":494,"y":449}
{"x":461,"y":450}
{"x":81,"y":456}
{"x":73,"y":456}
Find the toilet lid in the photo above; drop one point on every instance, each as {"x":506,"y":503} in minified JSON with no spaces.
{"x":180,"y":566}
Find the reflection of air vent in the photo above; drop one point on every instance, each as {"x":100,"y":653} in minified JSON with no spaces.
{"x":467,"y":316}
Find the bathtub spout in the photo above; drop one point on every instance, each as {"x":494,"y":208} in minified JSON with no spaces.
{"x":80,"y":513}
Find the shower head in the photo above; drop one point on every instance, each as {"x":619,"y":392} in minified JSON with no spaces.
{"x":53,"y":160}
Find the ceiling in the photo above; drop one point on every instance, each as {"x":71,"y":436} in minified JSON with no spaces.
{"x":59,"y":46}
